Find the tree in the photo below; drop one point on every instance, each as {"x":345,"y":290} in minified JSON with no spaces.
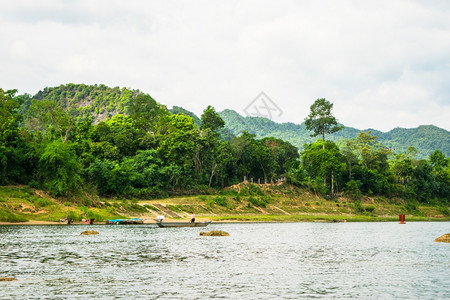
{"x":348,"y":151}
{"x":319,"y":162}
{"x":146,"y":112}
{"x":121,"y":132}
{"x":438,"y":160}
{"x":373,"y":155}
{"x":47,"y":115}
{"x":178,"y":144}
{"x":211,"y":119}
{"x":320,"y":119}
{"x":15,"y":152}
{"x":284,"y":155}
{"x":59,"y":168}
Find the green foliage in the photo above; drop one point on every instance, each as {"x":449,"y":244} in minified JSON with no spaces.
{"x":7,"y":216}
{"x":220,"y":200}
{"x":79,"y":137}
{"x":43,"y":202}
{"x":358,"y":207}
{"x":146,"y":112}
{"x":369,"y":209}
{"x":59,"y":168}
{"x":211,"y":119}
{"x":412,"y":208}
{"x":320,"y":119}
{"x":444,"y":210}
{"x":352,"y":189}
{"x":258,"y":201}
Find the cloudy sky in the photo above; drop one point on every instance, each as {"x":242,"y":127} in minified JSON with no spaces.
{"x":383,"y":64}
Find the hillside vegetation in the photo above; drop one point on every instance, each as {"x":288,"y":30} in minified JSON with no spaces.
{"x":75,"y":140}
{"x":243,"y":202}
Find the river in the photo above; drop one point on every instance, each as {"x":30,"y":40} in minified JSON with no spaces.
{"x":257,"y":261}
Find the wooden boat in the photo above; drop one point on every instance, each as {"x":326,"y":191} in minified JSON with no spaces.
{"x":125,"y":221}
{"x":182,"y":224}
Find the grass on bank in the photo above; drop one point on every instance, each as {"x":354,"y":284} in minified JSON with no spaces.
{"x":244,"y":203}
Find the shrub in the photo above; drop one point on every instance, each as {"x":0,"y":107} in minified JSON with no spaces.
{"x":43,"y":202}
{"x":34,"y":184}
{"x":220,"y":200}
{"x":444,"y":210}
{"x":352,"y":189}
{"x":255,"y":190}
{"x":258,"y":201}
{"x":369,"y":209}
{"x":357,"y":206}
{"x":150,"y":207}
{"x":6,"y":216}
{"x":412,"y":208}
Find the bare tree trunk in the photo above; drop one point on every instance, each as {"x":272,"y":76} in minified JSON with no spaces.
{"x":323,"y":147}
{"x":323,"y":139}
{"x":213,"y":172}
{"x":332,"y":182}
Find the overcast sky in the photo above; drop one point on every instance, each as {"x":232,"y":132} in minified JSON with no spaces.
{"x":383,"y":64}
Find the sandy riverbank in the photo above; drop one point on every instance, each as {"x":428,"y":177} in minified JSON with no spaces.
{"x":146,"y":221}
{"x":32,"y":223}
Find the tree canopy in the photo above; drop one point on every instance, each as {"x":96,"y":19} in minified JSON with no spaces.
{"x":147,"y":151}
{"x":320,"y":119}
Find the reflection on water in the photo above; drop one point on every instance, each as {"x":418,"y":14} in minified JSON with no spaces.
{"x":258,"y":261}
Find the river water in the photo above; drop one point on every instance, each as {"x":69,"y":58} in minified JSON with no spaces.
{"x":257,"y":261}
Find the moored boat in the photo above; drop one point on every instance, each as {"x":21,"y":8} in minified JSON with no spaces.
{"x":182,"y":224}
{"x":125,"y":221}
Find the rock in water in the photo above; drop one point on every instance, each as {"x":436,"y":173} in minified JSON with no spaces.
{"x":89,"y":232}
{"x":7,"y":279}
{"x":215,"y":233}
{"x":443,"y":239}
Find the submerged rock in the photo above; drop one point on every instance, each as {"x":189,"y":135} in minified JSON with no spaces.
{"x":443,"y":239}
{"x":7,"y":279}
{"x":89,"y":232}
{"x":215,"y":233}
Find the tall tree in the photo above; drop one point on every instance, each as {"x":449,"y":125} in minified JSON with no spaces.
{"x":211,"y":119}
{"x":320,"y":119}
{"x":49,"y":116}
{"x":146,"y":112}
{"x":14,"y":150}
{"x":319,"y":162}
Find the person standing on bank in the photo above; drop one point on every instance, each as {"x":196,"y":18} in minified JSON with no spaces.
{"x":192,"y":217}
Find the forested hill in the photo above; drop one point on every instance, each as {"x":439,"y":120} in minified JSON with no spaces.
{"x":425,"y":138}
{"x":98,"y":102}
{"x":101,"y":102}
{"x":120,"y":142}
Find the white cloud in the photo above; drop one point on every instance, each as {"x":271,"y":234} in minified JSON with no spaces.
{"x":383,"y":64}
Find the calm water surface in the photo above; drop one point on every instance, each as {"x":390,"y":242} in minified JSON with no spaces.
{"x":258,"y":261}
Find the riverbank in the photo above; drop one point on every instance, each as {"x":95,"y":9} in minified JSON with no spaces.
{"x":250,"y":203}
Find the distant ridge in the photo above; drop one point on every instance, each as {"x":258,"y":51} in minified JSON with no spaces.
{"x":425,"y":138}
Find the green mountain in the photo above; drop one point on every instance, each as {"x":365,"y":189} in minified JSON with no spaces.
{"x":98,"y":102}
{"x":101,"y":102}
{"x":425,"y":138}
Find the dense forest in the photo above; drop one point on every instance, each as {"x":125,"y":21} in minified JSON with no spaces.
{"x":121,"y":142}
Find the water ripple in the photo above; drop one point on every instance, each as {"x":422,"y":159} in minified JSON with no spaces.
{"x":258,"y":261}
